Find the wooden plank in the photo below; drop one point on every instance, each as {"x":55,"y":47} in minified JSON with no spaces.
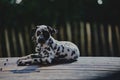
{"x":75,"y":32}
{"x":7,"y":43}
{"x":82,"y":37}
{"x":68,"y":27}
{"x":96,"y":40}
{"x":0,"y":46}
{"x":14,"y":42}
{"x":54,"y":76}
{"x":103,"y":40}
{"x":118,"y":37}
{"x":27,"y":39}
{"x":110,"y":40}
{"x":62,"y":33}
{"x":86,"y":68}
{"x":89,"y":47}
{"x":21,"y":43}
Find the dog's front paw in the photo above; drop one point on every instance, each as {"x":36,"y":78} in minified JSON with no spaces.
{"x":20,"y":62}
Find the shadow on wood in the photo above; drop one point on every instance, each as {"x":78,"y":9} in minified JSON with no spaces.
{"x":112,"y":76}
{"x":27,"y":69}
{"x":34,"y":67}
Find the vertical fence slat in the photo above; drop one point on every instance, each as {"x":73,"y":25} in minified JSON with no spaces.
{"x":95,"y":35}
{"x":118,"y":37}
{"x":1,"y":41}
{"x":21,"y":44}
{"x":54,"y":26}
{"x":32,"y":26}
{"x":0,"y":46}
{"x":88,"y":29}
{"x":69,"y":31}
{"x":27,"y":40}
{"x":110,"y":40}
{"x":75,"y":32}
{"x":7,"y":43}
{"x":61,"y":33}
{"x":82,"y":37}
{"x":14,"y":42}
{"x":103,"y":39}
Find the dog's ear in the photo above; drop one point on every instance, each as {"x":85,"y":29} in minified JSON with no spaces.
{"x":52,"y":30}
{"x":33,"y":31}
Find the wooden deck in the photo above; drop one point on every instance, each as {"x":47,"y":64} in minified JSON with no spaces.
{"x":86,"y":68}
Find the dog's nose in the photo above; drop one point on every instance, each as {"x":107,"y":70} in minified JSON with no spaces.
{"x":41,"y":39}
{"x":41,"y":36}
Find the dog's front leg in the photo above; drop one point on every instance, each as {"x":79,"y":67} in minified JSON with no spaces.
{"x":29,"y":59}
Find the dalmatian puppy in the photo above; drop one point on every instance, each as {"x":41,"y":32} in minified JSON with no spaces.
{"x":48,"y":49}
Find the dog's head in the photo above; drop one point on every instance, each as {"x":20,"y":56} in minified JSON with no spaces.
{"x":42,"y":33}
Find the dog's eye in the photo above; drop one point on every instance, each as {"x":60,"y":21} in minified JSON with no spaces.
{"x":38,"y":33}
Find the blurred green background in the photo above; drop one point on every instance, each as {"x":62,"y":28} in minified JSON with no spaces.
{"x":93,"y":25}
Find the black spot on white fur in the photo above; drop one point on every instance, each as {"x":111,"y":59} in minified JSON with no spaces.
{"x":50,"y":41}
{"x":58,"y":49}
{"x":57,"y":53}
{"x":73,"y":52}
{"x":75,"y":57}
{"x":68,"y":50}
{"x":62,"y":56}
{"x":62,"y":48}
{"x":47,"y":48}
{"x":55,"y":47}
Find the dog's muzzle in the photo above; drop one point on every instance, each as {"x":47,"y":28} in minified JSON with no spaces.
{"x":41,"y":39}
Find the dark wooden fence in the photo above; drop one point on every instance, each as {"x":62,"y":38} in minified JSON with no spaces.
{"x":93,"y":39}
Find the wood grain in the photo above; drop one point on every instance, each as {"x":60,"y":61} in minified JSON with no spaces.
{"x":86,"y":68}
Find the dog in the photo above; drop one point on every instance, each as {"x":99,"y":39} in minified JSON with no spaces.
{"x":48,"y":49}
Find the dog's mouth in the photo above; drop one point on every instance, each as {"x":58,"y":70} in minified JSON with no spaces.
{"x":41,"y":40}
